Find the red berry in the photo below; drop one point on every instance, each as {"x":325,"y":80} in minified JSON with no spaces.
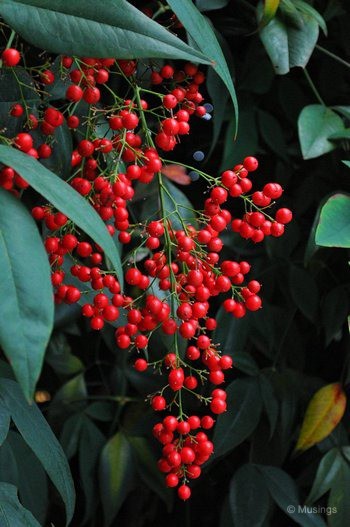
{"x":284,"y":216}
{"x":74,"y":93}
{"x":171,"y":480}
{"x":250,"y":163}
{"x":140,"y":365}
{"x":10,"y":57}
{"x":158,"y":403}
{"x":218,"y":406}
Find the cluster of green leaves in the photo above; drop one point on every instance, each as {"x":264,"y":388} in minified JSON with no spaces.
{"x":282,"y":354}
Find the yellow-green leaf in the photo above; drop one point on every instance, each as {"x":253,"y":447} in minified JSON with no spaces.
{"x":323,"y":413}
{"x":270,"y":8}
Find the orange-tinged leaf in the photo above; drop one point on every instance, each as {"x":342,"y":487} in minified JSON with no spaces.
{"x":323,"y":413}
{"x":270,"y":8}
{"x":176,"y":173}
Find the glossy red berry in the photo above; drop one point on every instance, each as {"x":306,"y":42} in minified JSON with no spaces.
{"x":11,"y":57}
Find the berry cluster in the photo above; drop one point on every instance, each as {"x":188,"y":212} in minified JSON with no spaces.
{"x":184,"y":263}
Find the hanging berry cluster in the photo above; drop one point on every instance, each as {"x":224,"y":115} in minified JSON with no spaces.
{"x":181,"y":259}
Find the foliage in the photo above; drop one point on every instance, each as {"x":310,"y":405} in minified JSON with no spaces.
{"x":282,"y":451}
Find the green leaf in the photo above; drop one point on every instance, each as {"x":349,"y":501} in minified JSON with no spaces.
{"x":339,"y":497}
{"x":26,"y":299}
{"x":316,"y":124}
{"x":247,"y":137}
{"x":5,"y":418}
{"x":178,"y":208}
{"x":333,"y":229}
{"x":306,"y":8}
{"x":338,"y":136}
{"x":83,"y":28}
{"x":70,"y":434}
{"x":334,"y":309}
{"x":60,"y":160}
{"x":219,"y":97}
{"x":40,"y":438}
{"x":289,"y":46}
{"x":272,"y":133}
{"x":346,"y":163}
{"x":284,"y":492}
{"x":343,"y":110}
{"x":274,"y":37}
{"x":270,"y":401}
{"x":101,"y":411}
{"x":64,"y":198}
{"x":115,"y":475}
{"x":231,"y":333}
{"x":202,"y":33}
{"x":16,"y":85}
{"x":304,"y":291}
{"x":241,"y":417}
{"x":269,"y":11}
{"x":249,"y":498}
{"x":326,"y":474}
{"x":11,"y":511}
{"x":210,"y":5}
{"x":60,"y":357}
{"x":31,"y":481}
{"x":90,"y":445}
{"x":147,"y":467}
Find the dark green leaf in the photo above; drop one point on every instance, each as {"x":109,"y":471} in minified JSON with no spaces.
{"x":339,"y":498}
{"x":101,"y":411}
{"x":116,"y":473}
{"x":70,"y":434}
{"x":284,"y":492}
{"x":289,"y":46}
{"x":26,"y":300}
{"x":339,"y":136}
{"x":311,"y":11}
{"x":247,"y":137}
{"x":270,"y":401}
{"x":244,"y":362}
{"x":334,"y":308}
{"x":274,"y":36}
{"x":90,"y":445}
{"x":315,"y":124}
{"x":11,"y":511}
{"x":60,"y":160}
{"x":326,"y":474}
{"x":65,"y":198}
{"x":249,"y":498}
{"x":272,"y":133}
{"x":40,"y":438}
{"x":304,"y":291}
{"x":343,"y":110}
{"x":5,"y":417}
{"x":178,"y":208}
{"x":241,"y":417}
{"x":8,"y":463}
{"x":202,"y":33}
{"x":31,"y":481}
{"x":86,"y":30}
{"x":11,"y":91}
{"x":209,"y":5}
{"x":60,"y":358}
{"x":231,"y":333}
{"x":219,"y":98}
{"x":333,"y":229}
{"x":147,"y":467}
{"x":72,"y":390}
